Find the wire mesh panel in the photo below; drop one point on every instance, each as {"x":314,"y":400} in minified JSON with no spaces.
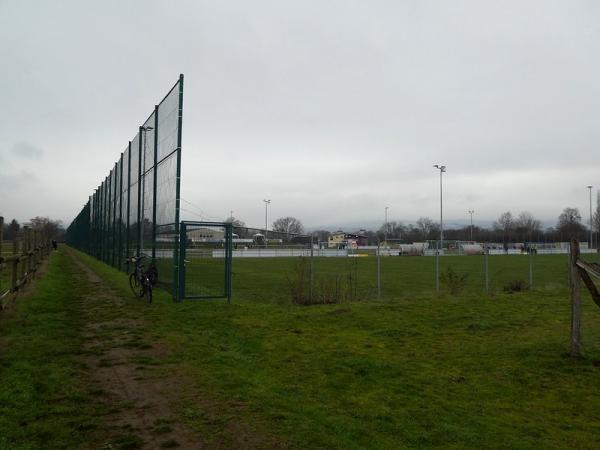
{"x":147,"y":224}
{"x":121,"y":209}
{"x":109,"y":217}
{"x":278,"y":261}
{"x":115,"y":213}
{"x":169,"y":115}
{"x":147,"y":169}
{"x":206,"y":259}
{"x":140,"y":197}
{"x":166,"y":250}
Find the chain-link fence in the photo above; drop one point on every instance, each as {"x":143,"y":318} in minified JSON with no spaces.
{"x":135,"y":210}
{"x":278,"y":266}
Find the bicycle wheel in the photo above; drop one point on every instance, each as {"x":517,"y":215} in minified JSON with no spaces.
{"x":148,"y":292}
{"x":152,"y":273}
{"x":135,"y":285}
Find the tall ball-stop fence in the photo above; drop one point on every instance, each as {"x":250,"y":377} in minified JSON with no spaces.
{"x":135,"y":210}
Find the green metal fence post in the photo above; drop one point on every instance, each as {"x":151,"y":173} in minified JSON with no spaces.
{"x":120,"y":244}
{"x":101,"y":221}
{"x":96,"y":201}
{"x":139,"y":202}
{"x":114,"y":241}
{"x":154,"y":183}
{"x":98,"y":224}
{"x":105,"y":212}
{"x":177,"y":266}
{"x":127,"y":237}
{"x":182,"y":261}
{"x":1,"y":239}
{"x":106,"y":217}
{"x":228,"y":260}
{"x":107,"y":221}
{"x":93,"y":224}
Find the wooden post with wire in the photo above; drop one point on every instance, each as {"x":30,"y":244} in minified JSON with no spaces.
{"x":580,"y":270}
{"x":575,"y":299}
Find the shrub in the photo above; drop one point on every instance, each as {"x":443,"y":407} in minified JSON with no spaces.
{"x":297,"y":283}
{"x":516,"y":286}
{"x":454,"y":282}
{"x":327,"y":289}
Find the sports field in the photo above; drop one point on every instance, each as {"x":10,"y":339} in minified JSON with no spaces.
{"x":409,"y":370}
{"x":268,"y":279}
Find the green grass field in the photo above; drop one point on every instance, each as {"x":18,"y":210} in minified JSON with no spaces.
{"x":409,"y":370}
{"x":266,"y":279}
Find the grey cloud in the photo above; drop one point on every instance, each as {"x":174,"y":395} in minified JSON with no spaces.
{"x":27,"y":150}
{"x":334,"y":109}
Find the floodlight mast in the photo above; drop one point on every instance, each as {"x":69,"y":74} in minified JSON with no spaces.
{"x":442,"y":169}
{"x":471,"y":212}
{"x":591,"y":227}
{"x":267,"y":202}
{"x":386,"y":224}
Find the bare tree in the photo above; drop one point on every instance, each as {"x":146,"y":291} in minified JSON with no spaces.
{"x":505,"y":223}
{"x":11,"y":230}
{"x":425,"y":225}
{"x":393,"y":229}
{"x":53,"y":229}
{"x":289,"y":225}
{"x":526,"y":225}
{"x":569,"y":223}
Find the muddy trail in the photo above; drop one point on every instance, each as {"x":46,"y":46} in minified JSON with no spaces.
{"x":142,"y":388}
{"x":123,"y":368}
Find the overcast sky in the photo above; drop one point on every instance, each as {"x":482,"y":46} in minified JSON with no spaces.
{"x":331,"y":109}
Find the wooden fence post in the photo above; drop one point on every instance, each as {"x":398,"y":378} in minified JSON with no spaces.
{"x":28,"y":251}
{"x":22,"y":252}
{"x":35,"y":249}
{"x":575,"y":299}
{"x":15,"y":262}
{"x":1,"y":240}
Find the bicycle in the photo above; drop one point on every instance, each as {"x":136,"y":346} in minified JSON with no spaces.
{"x":141,"y":281}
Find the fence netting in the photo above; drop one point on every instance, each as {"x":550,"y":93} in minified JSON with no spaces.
{"x":135,"y":210}
{"x":283,"y":267}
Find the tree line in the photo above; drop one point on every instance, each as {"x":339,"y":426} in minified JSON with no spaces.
{"x":522,"y":227}
{"x":54,"y":229}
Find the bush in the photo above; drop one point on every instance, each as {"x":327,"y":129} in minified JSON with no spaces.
{"x":454,"y":282}
{"x":326,"y":289}
{"x":516,"y":286}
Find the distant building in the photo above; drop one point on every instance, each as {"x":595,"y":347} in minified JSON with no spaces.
{"x":205,"y":234}
{"x":341,"y":239}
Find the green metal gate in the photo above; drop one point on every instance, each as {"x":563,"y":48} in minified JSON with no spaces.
{"x":205,"y":260}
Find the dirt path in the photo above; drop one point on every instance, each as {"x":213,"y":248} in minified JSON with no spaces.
{"x":123,"y":367}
